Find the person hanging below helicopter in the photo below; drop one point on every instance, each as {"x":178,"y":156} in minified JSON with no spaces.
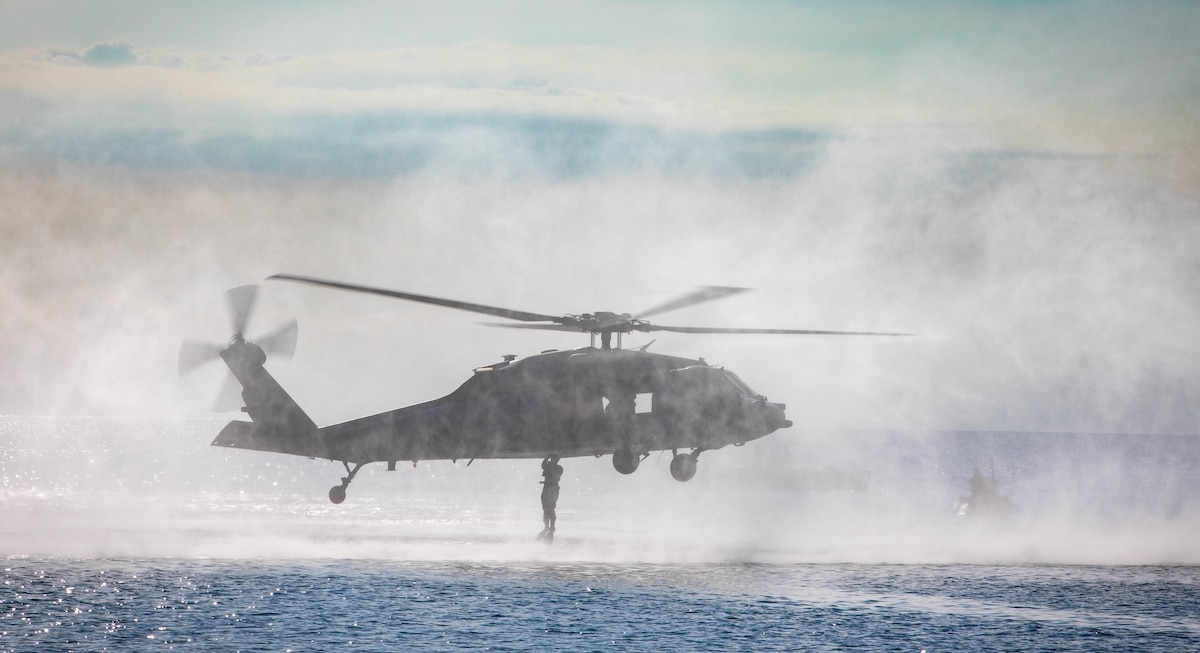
{"x":551,"y":474}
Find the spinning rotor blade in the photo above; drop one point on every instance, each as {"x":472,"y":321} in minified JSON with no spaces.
{"x":697,"y":296}
{"x":436,"y":301}
{"x":541,"y":327}
{"x":194,"y":354}
{"x":241,"y":305}
{"x":230,"y":398}
{"x":281,"y":341}
{"x":799,"y":332}
{"x":595,"y":323}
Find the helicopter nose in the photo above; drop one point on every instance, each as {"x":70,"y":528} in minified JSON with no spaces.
{"x":771,"y":415}
{"x":777,"y":411}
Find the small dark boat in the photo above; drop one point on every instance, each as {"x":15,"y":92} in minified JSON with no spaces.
{"x":984,"y":502}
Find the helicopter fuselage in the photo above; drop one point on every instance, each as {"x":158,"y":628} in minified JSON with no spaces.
{"x":569,"y":403}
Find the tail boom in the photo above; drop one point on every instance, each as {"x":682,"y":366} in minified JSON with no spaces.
{"x":278,"y":424}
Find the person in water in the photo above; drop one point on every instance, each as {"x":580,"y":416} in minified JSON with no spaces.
{"x":551,"y":474}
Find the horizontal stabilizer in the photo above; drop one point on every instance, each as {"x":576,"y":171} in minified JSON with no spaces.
{"x":261,"y":437}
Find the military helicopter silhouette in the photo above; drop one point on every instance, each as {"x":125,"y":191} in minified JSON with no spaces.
{"x":583,"y":402}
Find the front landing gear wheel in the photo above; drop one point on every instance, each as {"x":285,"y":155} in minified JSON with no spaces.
{"x":683,"y":467}
{"x":626,"y":461}
{"x":337,"y":494}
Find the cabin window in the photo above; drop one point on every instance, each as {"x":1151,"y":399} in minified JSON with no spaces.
{"x":643,"y":402}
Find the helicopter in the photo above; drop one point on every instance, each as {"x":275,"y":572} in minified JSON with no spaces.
{"x":590,"y":401}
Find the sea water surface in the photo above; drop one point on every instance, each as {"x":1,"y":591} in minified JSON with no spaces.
{"x":129,"y":535}
{"x":377,"y":605}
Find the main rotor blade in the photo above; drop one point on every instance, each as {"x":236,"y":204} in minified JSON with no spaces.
{"x":541,"y":327}
{"x":797,"y":332}
{"x":425,"y":299}
{"x":241,"y":305}
{"x":281,"y":341}
{"x":193,"y":354}
{"x":700,"y":295}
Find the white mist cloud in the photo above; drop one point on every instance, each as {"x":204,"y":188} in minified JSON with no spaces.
{"x":1062,"y":289}
{"x":1013,"y":195}
{"x":1016,"y":185}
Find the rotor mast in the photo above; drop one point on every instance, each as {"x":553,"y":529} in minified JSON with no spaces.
{"x":603,"y":324}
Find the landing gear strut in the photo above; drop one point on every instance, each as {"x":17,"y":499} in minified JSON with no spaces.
{"x":683,"y":465}
{"x":337,"y":493}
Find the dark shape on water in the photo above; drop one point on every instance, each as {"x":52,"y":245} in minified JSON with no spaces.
{"x":984,"y":502}
{"x":584,"y":402}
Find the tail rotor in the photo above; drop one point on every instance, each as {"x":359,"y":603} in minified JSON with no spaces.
{"x":278,"y":343}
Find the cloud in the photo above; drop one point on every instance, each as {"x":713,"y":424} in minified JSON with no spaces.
{"x":573,"y":109}
{"x":375,"y":114}
{"x":1035,"y":83}
{"x":642,"y":86}
{"x":111,"y":54}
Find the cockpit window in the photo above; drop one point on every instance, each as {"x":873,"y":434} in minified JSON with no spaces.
{"x":740,"y":385}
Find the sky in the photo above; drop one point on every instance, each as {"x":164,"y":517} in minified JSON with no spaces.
{"x":1015,"y":181}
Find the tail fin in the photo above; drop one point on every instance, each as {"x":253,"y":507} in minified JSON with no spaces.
{"x":278,"y":424}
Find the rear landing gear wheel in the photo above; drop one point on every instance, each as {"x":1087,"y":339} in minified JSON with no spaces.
{"x":626,"y":461}
{"x":337,"y":493}
{"x":683,"y":466}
